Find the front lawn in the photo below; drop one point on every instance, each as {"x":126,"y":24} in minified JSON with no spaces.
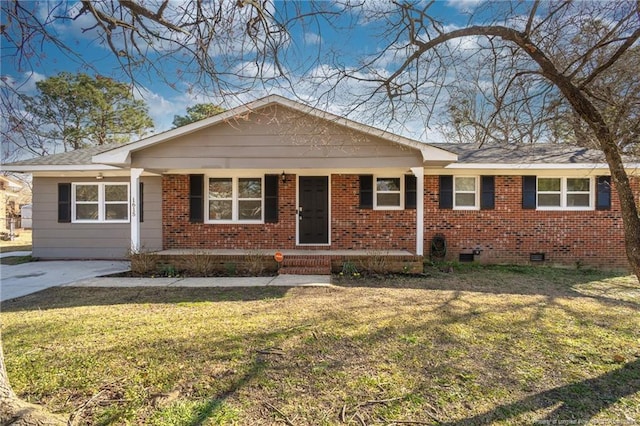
{"x":502,"y":345}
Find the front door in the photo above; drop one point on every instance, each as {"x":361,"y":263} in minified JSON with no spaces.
{"x":313,"y":210}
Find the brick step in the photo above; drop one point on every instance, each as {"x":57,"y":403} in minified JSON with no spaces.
{"x":304,"y":270}
{"x":308,"y":261}
{"x":306,"y":265}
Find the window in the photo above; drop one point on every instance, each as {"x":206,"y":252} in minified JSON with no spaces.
{"x":465,"y":193}
{"x":235,"y":199}
{"x":100,"y":202}
{"x":564,"y":193}
{"x":388,"y":193}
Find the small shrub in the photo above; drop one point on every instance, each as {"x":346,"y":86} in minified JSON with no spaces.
{"x":254,"y":262}
{"x":231,"y":269}
{"x":349,"y":270}
{"x":143,"y":262}
{"x":168,"y":270}
{"x":199,"y":264}
{"x":375,"y":262}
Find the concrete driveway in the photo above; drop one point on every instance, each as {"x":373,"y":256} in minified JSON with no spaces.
{"x":26,"y":278}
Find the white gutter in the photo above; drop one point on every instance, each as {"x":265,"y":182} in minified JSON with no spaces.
{"x":537,"y":166}
{"x":58,"y":168}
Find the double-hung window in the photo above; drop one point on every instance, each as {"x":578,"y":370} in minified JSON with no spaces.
{"x":235,"y":199}
{"x":564,"y":193}
{"x":388,"y":193}
{"x":465,"y":192}
{"x":100,"y":202}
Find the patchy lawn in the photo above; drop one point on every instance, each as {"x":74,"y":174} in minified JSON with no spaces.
{"x":505,"y":345}
{"x":21,"y":243}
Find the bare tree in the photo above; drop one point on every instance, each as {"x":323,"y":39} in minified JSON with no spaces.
{"x":552,"y":63}
{"x":222,"y":47}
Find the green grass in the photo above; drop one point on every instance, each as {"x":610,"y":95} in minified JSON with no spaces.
{"x":496,"y":345}
{"x":15,"y":260}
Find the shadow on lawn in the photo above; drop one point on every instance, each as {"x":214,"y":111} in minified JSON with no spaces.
{"x":516,"y":280}
{"x":69,"y":297}
{"x":577,"y":403}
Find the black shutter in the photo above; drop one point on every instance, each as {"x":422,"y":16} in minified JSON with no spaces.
{"x":366,"y":191}
{"x":196,"y":198}
{"x":529,"y":190}
{"x":64,"y":203}
{"x":446,"y":192}
{"x":141,"y":202}
{"x":487,"y":192}
{"x":603,"y":193}
{"x":410,"y":191}
{"x":271,"y":198}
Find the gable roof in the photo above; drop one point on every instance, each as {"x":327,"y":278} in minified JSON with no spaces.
{"x":122,"y":155}
{"x":449,"y":155}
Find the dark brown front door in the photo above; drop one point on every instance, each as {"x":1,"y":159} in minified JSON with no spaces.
{"x":313,"y":211}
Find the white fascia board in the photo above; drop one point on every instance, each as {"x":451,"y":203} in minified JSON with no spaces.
{"x":60,"y":168}
{"x":430,"y":153}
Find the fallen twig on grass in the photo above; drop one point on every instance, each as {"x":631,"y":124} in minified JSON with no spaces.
{"x":380,"y":401}
{"x":76,"y":414}
{"x":271,"y":351}
{"x":285,"y":418}
{"x":405,"y":422}
{"x":360,"y":419}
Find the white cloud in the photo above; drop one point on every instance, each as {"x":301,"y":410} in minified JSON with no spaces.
{"x":161,"y":109}
{"x":25,"y":83}
{"x":312,"y":38}
{"x":464,"y":5}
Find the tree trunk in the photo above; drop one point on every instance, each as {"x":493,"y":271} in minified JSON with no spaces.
{"x":16,"y":412}
{"x":628,"y":207}
{"x":590,"y":114}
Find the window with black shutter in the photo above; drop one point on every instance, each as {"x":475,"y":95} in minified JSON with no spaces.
{"x":64,"y":203}
{"x":196,"y":198}
{"x":271,"y":198}
{"x":446,"y":192}
{"x":366,"y":191}
{"x":487,"y":192}
{"x":410,"y":191}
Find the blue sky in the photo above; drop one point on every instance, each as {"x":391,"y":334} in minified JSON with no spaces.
{"x":313,"y":42}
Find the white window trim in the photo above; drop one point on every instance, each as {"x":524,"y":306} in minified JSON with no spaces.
{"x":563,"y":194}
{"x":476,"y":192}
{"x":235,"y":179}
{"x":101,"y":202}
{"x":375,"y":192}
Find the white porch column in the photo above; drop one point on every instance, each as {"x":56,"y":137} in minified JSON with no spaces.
{"x":135,"y":209}
{"x":419,"y":174}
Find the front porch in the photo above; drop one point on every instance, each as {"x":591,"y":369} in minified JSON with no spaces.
{"x":205,"y":262}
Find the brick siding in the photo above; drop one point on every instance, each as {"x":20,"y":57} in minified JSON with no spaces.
{"x":352,"y":227}
{"x":507,"y":234}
